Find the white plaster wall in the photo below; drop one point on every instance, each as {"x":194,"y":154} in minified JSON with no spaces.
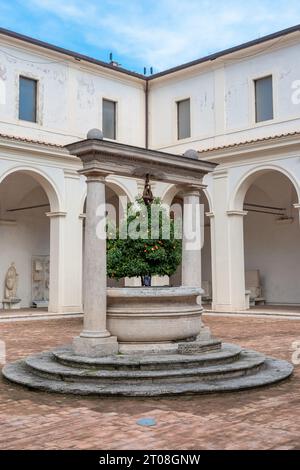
{"x":69,"y":97}
{"x":222,"y":100}
{"x":221,"y":92}
{"x":163,"y":108}
{"x":239,"y":89}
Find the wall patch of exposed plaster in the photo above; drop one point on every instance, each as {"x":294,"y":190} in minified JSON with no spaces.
{"x":3,"y":78}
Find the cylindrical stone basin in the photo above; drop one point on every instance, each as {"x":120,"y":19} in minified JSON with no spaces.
{"x":152,"y":318}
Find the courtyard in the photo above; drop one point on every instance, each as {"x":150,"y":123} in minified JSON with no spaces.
{"x":149,"y":228}
{"x":266,"y":418}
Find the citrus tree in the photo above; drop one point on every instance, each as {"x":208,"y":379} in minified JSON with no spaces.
{"x":145,"y":244}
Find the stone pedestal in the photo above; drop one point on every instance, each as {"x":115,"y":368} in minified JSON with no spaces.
{"x":11,"y":304}
{"x":95,"y":347}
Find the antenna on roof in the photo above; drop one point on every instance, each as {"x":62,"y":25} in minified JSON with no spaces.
{"x":151,"y":70}
{"x":112,"y":61}
{"x":145,"y":71}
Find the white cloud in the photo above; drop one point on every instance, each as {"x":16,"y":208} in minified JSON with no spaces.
{"x":165,"y":33}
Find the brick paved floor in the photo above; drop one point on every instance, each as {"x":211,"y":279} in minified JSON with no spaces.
{"x":260,"y":419}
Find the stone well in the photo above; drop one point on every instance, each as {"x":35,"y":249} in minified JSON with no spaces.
{"x":122,"y":328}
{"x":153,"y":319}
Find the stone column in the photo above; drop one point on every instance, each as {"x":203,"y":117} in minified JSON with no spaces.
{"x":192,"y":242}
{"x":95,"y":340}
{"x":56,"y":281}
{"x":191,"y":238}
{"x":229,"y":293}
{"x":297,"y":206}
{"x":211,"y":217}
{"x":72,"y":244}
{"x":237,"y":259}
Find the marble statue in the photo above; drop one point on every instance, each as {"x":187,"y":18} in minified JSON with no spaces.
{"x":11,"y":301}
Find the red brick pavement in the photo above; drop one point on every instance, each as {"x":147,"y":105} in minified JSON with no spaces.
{"x":267,"y":418}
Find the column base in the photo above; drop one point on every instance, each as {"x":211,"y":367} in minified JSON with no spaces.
{"x":205,"y":334}
{"x":95,"y":347}
{"x":227,"y":308}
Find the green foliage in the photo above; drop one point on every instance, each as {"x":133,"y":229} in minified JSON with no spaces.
{"x":150,"y":247}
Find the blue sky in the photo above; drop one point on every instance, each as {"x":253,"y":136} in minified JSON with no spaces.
{"x":157,"y":33}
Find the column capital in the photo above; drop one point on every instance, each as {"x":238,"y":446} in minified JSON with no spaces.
{"x":93,"y":175}
{"x":220,"y":173}
{"x":297,"y":206}
{"x":210,"y":215}
{"x":95,"y":178}
{"x":72,"y":174}
{"x":237,"y":212}
{"x":192,"y":189}
{"x":56,"y":214}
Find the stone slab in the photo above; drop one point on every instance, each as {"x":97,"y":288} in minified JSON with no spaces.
{"x":44,"y":365}
{"x":228,"y":353}
{"x":273,"y":372}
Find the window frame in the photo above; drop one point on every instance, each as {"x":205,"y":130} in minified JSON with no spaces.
{"x":115,"y":102}
{"x":36,"y":80}
{"x":254,"y":101}
{"x":178,"y":101}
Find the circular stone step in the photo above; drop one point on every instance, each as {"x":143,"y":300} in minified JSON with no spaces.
{"x":273,"y":371}
{"x":45,"y":365}
{"x":227,"y":354}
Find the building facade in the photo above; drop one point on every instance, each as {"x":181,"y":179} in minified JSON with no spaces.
{"x":239,"y":108}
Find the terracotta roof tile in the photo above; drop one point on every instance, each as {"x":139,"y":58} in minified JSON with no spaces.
{"x":246,"y":142}
{"x":211,"y":149}
{"x":29,"y":141}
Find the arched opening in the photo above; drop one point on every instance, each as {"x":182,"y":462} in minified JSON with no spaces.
{"x":271,"y":239}
{"x":174,"y":197}
{"x":25,"y":198}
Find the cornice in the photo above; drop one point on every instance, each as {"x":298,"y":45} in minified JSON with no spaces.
{"x":50,"y":155}
{"x":112,"y":158}
{"x":277,"y":146}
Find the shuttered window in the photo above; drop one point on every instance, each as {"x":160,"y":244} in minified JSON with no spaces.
{"x":183,"y":119}
{"x":109,"y":119}
{"x":27,"y":99}
{"x":264,"y":99}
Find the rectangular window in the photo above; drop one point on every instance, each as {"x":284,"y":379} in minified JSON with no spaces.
{"x":109,"y":119}
{"x":264,"y":99}
{"x":27,"y":99}
{"x":183,"y":119}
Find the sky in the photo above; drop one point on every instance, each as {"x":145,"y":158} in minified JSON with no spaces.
{"x":148,"y":33}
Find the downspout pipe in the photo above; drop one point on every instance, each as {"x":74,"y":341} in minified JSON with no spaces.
{"x":147,"y":114}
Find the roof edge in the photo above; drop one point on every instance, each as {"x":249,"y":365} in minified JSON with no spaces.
{"x":217,"y":55}
{"x":106,"y":65}
{"x":68,"y":52}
